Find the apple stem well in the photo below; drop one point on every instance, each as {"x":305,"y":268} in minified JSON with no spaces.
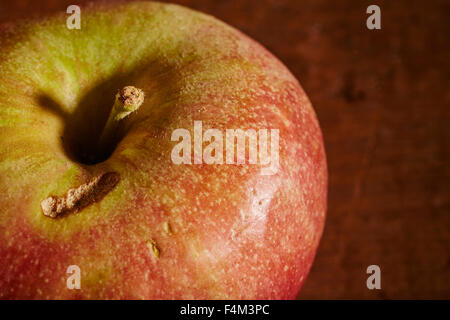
{"x":128,"y":100}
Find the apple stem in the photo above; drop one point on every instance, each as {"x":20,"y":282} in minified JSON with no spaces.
{"x":128,"y":100}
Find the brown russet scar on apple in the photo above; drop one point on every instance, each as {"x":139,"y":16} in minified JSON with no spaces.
{"x":167,"y":228}
{"x":80,"y":197}
{"x":151,"y":244}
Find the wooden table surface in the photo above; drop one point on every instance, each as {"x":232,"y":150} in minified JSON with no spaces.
{"x":383,"y":102}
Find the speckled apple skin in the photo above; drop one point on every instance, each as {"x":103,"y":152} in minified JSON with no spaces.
{"x":235,"y":234}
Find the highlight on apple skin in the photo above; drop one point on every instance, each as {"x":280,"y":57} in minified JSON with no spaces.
{"x":146,"y":228}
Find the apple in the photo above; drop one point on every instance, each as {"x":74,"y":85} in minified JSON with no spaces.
{"x":135,"y":224}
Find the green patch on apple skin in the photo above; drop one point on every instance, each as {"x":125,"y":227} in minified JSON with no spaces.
{"x":13,"y":117}
{"x":66,"y":63}
{"x":21,"y":182}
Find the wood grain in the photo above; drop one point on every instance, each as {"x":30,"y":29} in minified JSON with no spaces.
{"x":383,"y":102}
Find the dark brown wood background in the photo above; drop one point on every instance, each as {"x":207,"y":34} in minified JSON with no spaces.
{"x":383,"y":101}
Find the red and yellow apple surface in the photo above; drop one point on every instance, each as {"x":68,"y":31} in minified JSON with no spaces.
{"x":162,"y":230}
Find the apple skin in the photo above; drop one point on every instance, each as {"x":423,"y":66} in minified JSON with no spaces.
{"x":235,"y":234}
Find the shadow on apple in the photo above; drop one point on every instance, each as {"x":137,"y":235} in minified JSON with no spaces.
{"x":83,"y":127}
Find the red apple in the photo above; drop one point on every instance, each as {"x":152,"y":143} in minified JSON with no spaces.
{"x":140,"y":225}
